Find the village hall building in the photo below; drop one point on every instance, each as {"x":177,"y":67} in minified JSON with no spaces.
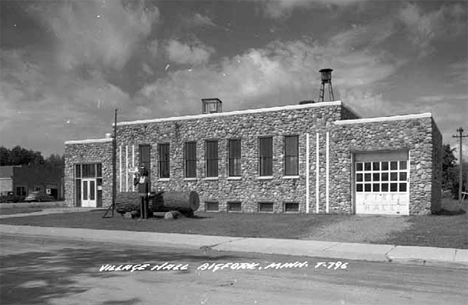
{"x":304,"y":158}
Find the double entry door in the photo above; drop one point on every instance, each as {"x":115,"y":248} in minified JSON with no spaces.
{"x":88,"y":192}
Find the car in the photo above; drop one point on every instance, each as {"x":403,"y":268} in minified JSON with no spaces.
{"x":38,"y":196}
{"x":10,"y":197}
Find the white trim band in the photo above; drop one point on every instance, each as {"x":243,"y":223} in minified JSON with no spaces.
{"x":222,"y":114}
{"x":385,"y":119}
{"x":103,"y":140}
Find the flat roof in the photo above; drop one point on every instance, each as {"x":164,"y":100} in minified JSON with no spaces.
{"x":222,"y":114}
{"x":385,"y":119}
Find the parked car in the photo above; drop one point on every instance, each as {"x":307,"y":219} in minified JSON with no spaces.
{"x":39,"y":196}
{"x":10,"y":197}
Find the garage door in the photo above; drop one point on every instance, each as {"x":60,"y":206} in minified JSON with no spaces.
{"x":382,"y":183}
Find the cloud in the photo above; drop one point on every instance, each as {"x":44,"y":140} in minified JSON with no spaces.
{"x":96,"y":32}
{"x":46,"y":108}
{"x":282,"y":8}
{"x":153,"y":47}
{"x":196,"y":53}
{"x":201,"y":20}
{"x":424,"y":27}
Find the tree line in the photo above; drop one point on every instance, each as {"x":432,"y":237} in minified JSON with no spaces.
{"x":22,"y":156}
{"x":451,"y":172}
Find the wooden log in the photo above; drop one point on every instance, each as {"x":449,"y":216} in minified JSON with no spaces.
{"x":179,"y":201}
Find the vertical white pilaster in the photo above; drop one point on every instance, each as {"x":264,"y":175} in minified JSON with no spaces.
{"x":120,"y":168}
{"x":133,"y":164}
{"x":327,"y":185}
{"x":126,"y":168}
{"x":317,"y":170}
{"x":307,"y":174}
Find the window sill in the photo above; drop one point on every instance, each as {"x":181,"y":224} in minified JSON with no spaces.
{"x":291,"y":177}
{"x":190,"y":179}
{"x":234,"y":178}
{"x":211,"y":178}
{"x":264,"y":177}
{"x":164,"y":179}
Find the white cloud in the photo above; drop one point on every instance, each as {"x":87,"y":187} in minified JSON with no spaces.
{"x":424,"y":27}
{"x":201,"y":20}
{"x":153,"y":47}
{"x":282,"y":8}
{"x":193,"y":54}
{"x":96,"y":32}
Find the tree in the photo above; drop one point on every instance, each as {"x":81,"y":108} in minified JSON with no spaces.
{"x":20,"y":156}
{"x":448,"y":167}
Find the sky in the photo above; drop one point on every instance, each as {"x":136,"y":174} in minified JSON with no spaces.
{"x":66,"y":65}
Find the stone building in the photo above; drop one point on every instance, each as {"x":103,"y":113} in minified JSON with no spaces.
{"x":307,"y":158}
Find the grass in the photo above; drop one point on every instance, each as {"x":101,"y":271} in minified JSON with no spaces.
{"x":10,"y":211}
{"x":448,"y":231}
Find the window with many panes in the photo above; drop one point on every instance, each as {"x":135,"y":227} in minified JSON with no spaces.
{"x":291,"y":155}
{"x":190,"y":159}
{"x":21,"y":191}
{"x":291,"y":207}
{"x":382,"y":176}
{"x":234,"y":151}
{"x":211,"y":154}
{"x":265,"y":155}
{"x":164,"y":165}
{"x":88,"y":171}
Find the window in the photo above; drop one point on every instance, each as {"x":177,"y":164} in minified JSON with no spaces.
{"x":145,"y":157}
{"x":382,"y":176}
{"x":291,"y":155}
{"x":265,"y":206}
{"x":291,"y":207}
{"x":234,"y":149}
{"x":211,"y":158}
{"x":211,"y":206}
{"x":190,"y":157}
{"x":90,"y":171}
{"x":163,"y":151}
{"x":20,"y":191}
{"x":266,"y":156}
{"x":234,"y":206}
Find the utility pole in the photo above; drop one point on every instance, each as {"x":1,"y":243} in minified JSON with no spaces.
{"x":114,"y":168}
{"x":460,"y":183}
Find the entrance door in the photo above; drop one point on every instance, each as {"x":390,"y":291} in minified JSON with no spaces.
{"x":88,"y":193}
{"x":382,"y":185}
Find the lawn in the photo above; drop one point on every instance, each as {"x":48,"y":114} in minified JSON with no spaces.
{"x":10,"y":211}
{"x":448,"y":231}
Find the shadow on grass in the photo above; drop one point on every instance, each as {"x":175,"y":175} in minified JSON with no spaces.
{"x":40,"y":277}
{"x":444,"y":212}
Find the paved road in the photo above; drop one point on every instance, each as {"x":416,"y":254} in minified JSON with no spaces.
{"x":57,"y":271}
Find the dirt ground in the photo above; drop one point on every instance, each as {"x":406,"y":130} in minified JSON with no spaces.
{"x":360,"y":229}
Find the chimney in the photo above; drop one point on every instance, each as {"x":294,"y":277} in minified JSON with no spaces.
{"x":212,"y":105}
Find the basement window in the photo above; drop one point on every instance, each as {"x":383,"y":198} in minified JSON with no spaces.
{"x":211,"y":206}
{"x":234,"y":206}
{"x":265,"y":207}
{"x":291,"y":207}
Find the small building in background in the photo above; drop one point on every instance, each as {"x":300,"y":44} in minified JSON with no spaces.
{"x":24,"y":179}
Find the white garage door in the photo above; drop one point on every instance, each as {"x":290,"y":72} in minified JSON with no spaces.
{"x":382,"y":183}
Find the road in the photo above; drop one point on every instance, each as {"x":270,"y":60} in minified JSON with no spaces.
{"x":55,"y":271}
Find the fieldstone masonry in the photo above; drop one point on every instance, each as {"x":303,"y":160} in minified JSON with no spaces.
{"x":320,"y":121}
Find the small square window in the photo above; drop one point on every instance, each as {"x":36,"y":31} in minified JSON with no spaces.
{"x":402,"y":187}
{"x":384,"y":187}
{"x":358,"y":167}
{"x":393,"y":187}
{"x":385,"y":166}
{"x":359,"y":188}
{"x":376,"y":187}
{"x":367,"y":177}
{"x":265,"y":206}
{"x":291,"y":207}
{"x":367,"y":166}
{"x":376,"y":177}
{"x":367,"y":187}
{"x":384,"y":176}
{"x":359,"y":177}
{"x":393,"y":176}
{"x":376,"y":166}
{"x":403,"y":176}
{"x":235,"y":206}
{"x":402,"y":165}
{"x":394,"y":165}
{"x":211,"y":206}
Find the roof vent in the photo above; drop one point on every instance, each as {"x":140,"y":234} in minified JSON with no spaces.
{"x":212,"y":105}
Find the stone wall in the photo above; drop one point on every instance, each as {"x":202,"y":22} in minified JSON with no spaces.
{"x":88,"y":152}
{"x":415,"y":135}
{"x":250,"y":189}
{"x":6,"y":185}
{"x":437,"y":155}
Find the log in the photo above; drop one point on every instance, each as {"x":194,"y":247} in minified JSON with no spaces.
{"x":178,"y":201}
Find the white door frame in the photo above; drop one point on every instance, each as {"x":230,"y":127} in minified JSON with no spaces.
{"x":88,"y":192}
